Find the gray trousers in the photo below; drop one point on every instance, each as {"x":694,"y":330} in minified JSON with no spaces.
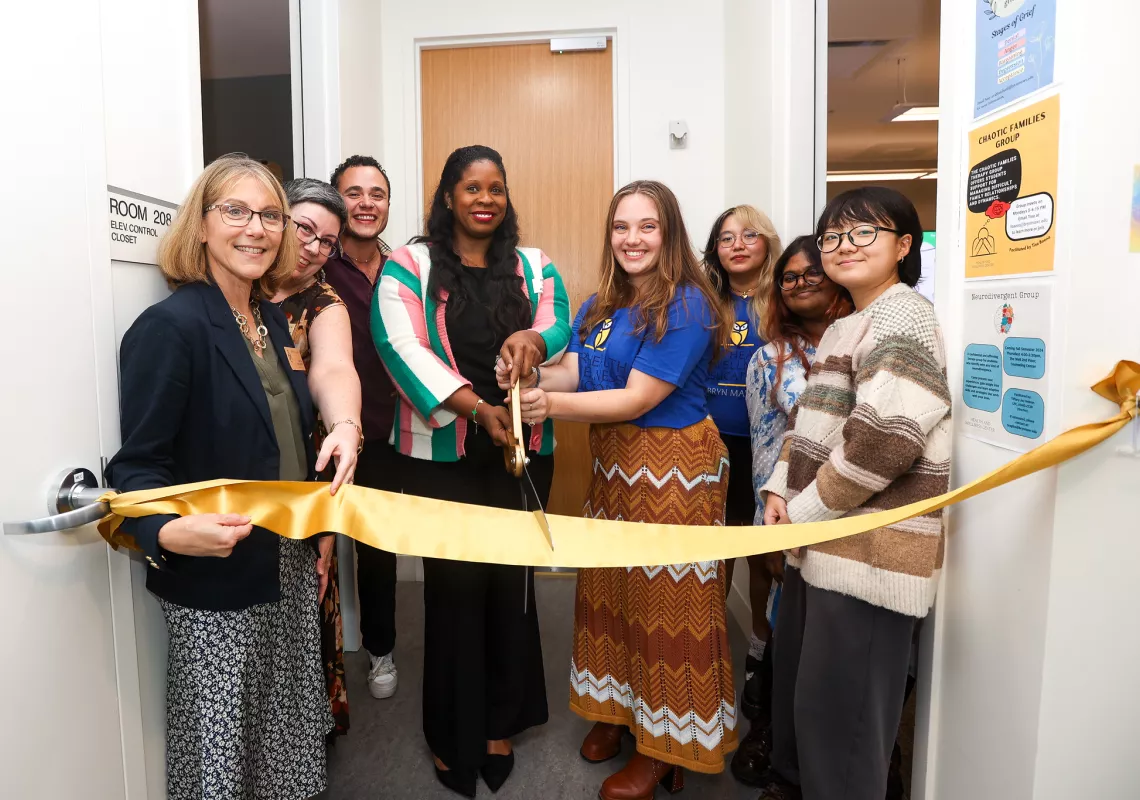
{"x":838,"y":685}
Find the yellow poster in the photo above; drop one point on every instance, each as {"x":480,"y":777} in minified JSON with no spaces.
{"x":1011,"y":194}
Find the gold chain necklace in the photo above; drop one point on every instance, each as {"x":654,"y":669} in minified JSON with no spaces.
{"x":257,"y":338}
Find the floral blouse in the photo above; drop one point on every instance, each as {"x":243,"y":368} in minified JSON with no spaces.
{"x":768,"y":421}
{"x":304,"y":307}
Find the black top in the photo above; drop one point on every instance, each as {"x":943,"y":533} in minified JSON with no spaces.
{"x":472,"y":337}
{"x":378,"y":395}
{"x":193,"y":409}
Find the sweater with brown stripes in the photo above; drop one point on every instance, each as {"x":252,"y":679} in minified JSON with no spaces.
{"x":872,"y":432}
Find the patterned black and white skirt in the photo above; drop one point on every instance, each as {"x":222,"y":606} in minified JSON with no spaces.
{"x":247,"y":710}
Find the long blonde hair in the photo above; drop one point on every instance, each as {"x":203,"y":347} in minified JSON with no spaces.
{"x":676,"y":267}
{"x":754,"y":219}
{"x":182,"y":253}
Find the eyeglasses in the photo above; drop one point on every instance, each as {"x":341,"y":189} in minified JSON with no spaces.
{"x":239,"y":216}
{"x":307,"y":236}
{"x":812,"y":276}
{"x":860,"y":236}
{"x":727,"y":240}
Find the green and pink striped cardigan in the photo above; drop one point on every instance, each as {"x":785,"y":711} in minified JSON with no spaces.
{"x":411,"y":336}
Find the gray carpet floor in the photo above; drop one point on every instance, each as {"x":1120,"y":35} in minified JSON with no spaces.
{"x":384,"y":755}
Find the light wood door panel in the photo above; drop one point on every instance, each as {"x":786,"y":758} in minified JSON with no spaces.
{"x":551,"y":118}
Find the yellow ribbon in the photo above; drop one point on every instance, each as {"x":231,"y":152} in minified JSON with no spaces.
{"x":419,"y":526}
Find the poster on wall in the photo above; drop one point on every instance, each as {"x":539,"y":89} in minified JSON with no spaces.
{"x":138,"y":222}
{"x":1011,"y":192}
{"x":1005,"y":363}
{"x":1014,"y":50}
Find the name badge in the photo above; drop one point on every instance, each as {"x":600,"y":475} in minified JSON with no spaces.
{"x":295,"y":360}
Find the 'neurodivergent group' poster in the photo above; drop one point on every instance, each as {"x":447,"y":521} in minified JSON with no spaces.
{"x":1014,"y":52}
{"x":1011,"y":193}
{"x":1005,"y":376}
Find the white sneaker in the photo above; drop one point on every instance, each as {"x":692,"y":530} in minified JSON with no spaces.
{"x":382,"y":677}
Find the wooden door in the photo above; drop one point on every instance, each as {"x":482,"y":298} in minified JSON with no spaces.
{"x":551,"y":118}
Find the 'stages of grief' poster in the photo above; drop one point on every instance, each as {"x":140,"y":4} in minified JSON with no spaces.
{"x":1011,"y":192}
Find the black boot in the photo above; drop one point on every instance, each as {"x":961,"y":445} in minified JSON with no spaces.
{"x":756,"y":698}
{"x":750,"y":696}
{"x":750,"y":761}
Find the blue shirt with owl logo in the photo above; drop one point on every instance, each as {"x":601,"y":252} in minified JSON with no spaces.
{"x":613,"y":349}
{"x":727,"y":379}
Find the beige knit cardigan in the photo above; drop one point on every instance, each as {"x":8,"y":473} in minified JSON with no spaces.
{"x":872,"y":432}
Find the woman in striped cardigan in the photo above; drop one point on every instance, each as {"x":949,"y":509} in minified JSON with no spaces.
{"x":870,"y":432}
{"x":445,"y":307}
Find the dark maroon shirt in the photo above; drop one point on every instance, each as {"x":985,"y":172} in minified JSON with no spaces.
{"x":378,"y":395}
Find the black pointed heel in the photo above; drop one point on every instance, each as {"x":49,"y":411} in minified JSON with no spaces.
{"x":460,"y":781}
{"x":496,"y":769}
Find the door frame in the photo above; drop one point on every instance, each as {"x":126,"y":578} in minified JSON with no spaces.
{"x":619,"y":82}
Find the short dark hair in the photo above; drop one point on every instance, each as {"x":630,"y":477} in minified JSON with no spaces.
{"x":358,"y":161}
{"x":880,"y":206}
{"x":311,"y":190}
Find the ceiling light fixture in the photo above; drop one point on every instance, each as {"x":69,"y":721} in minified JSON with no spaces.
{"x":875,"y":177}
{"x":905,"y":112}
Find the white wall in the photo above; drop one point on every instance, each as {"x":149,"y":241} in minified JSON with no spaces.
{"x":1032,"y":662}
{"x":669,"y":63}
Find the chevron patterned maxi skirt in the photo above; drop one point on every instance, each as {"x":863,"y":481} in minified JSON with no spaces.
{"x":650,"y":643}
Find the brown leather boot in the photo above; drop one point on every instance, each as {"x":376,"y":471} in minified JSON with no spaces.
{"x":602,"y":743}
{"x":640,"y":778}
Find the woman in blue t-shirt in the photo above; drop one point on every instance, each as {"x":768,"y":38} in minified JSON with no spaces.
{"x":742,"y":248}
{"x":651,"y":648}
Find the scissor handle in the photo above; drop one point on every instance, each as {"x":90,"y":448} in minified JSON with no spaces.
{"x":514,"y":455}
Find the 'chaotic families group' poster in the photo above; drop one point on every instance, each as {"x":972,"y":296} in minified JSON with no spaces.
{"x":1014,"y":50}
{"x":1011,"y":193}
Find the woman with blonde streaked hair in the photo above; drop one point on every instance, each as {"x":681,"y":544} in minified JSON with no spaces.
{"x":651,"y":652}
{"x":213,"y":388}
{"x":742,"y":248}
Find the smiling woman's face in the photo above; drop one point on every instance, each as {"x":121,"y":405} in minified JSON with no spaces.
{"x":807,"y":302}
{"x":636,"y":236}
{"x":324,"y":226}
{"x":246,"y":252}
{"x":865,"y":270}
{"x":737,"y":255}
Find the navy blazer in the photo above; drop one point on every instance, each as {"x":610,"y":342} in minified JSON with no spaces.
{"x":193,"y":409}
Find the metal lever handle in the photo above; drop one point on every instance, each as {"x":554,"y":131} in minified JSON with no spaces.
{"x":73,"y":503}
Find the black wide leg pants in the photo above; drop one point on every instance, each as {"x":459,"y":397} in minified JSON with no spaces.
{"x":838,"y":687}
{"x":483,"y":676}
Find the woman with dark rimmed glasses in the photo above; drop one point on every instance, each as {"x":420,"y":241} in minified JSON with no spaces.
{"x":322,"y":336}
{"x":871,"y":432}
{"x":801,"y":301}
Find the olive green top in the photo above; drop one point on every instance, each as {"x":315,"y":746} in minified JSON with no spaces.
{"x":283,"y":411}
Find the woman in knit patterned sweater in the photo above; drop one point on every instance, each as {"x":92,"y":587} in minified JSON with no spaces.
{"x":870,"y":432}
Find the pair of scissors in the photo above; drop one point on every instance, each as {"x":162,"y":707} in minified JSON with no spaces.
{"x":514,"y":456}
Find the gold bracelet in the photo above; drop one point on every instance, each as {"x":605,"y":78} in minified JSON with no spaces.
{"x":353,"y":423}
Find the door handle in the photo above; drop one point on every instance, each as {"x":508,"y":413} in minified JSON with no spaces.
{"x":72,"y":503}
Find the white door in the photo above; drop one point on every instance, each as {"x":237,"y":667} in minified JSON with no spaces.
{"x":95,"y":94}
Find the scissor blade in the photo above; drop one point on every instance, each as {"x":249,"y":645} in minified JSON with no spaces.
{"x":539,"y":513}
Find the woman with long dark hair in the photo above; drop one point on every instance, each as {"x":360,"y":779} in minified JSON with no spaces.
{"x":651,"y":653}
{"x":447,"y":308}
